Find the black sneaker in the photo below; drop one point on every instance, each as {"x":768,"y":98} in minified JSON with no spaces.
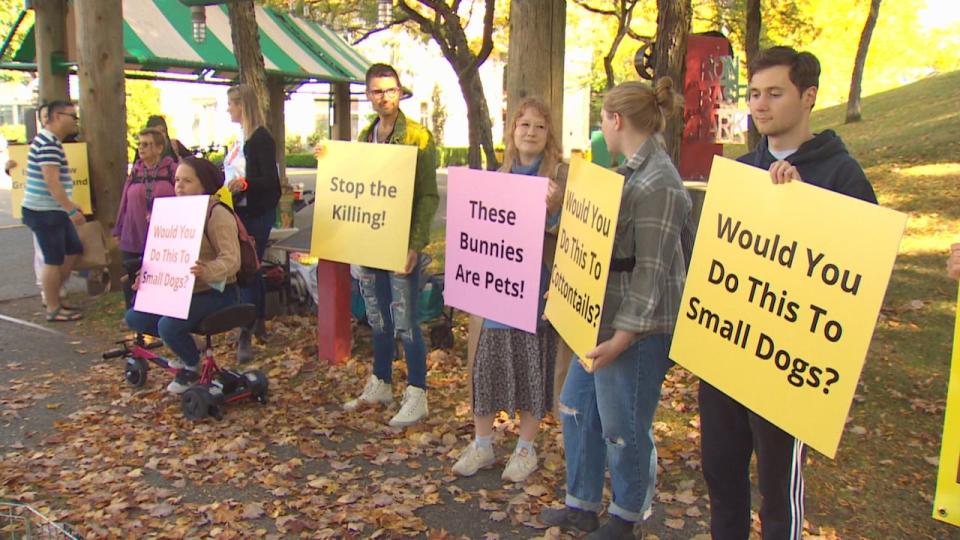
{"x":570,"y":519}
{"x":614,"y":529}
{"x":184,"y":380}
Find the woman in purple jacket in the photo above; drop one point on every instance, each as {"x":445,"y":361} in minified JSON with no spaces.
{"x":152,"y":176}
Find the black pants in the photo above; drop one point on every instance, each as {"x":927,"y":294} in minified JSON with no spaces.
{"x":729,"y":434}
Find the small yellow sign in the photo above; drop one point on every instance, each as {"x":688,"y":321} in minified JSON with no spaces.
{"x":76,"y":160}
{"x":578,"y":281}
{"x":946,"y":503}
{"x":364,"y":202}
{"x":782,"y":297}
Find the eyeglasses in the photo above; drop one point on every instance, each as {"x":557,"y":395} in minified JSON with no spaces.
{"x":386,"y":92}
{"x":145,"y":144}
{"x":71,"y":115}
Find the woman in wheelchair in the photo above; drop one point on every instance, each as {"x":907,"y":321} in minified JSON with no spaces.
{"x":216,"y":274}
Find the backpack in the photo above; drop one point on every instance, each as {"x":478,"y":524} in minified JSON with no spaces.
{"x":249,"y":262}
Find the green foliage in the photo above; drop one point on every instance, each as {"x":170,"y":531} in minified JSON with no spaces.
{"x":216,"y":158}
{"x":304,"y":160}
{"x":457,"y":156}
{"x":143,"y":100}
{"x":293,"y":144}
{"x":9,"y":11}
{"x":14,"y":132}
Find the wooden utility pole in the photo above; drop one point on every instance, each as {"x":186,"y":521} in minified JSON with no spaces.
{"x":276,"y":123}
{"x":50,"y":31}
{"x":673,"y":27}
{"x":99,"y":25}
{"x":535,"y":55}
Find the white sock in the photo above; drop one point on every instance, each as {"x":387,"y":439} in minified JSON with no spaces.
{"x":521,"y":444}
{"x":484,"y":442}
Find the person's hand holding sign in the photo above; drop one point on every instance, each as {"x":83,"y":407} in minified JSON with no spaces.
{"x":609,"y":350}
{"x":412,"y":257}
{"x":953,"y":262}
{"x":237,"y":185}
{"x":554,"y":197}
{"x":196,"y":269}
{"x":783,"y":171}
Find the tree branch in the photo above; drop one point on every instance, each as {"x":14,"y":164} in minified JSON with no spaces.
{"x":487,"y":46}
{"x":369,"y":33}
{"x":593,"y":9}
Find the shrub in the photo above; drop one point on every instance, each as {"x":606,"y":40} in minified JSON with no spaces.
{"x":294,"y":144}
{"x":14,"y":132}
{"x":305,"y":160}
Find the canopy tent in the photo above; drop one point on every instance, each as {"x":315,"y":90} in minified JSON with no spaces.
{"x":158,"y":43}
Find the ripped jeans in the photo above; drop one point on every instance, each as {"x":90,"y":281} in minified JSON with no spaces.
{"x":607,"y":419}
{"x":391,"y":303}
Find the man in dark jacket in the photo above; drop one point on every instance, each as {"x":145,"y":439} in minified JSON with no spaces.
{"x":782,"y":92}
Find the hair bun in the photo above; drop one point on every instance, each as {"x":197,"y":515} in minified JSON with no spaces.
{"x":668,"y":100}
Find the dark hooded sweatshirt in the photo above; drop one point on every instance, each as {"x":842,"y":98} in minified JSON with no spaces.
{"x":822,"y":161}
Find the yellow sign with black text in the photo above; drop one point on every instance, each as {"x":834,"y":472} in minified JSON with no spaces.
{"x":364,"y":201}
{"x":782,"y":297}
{"x":77,"y":162}
{"x":578,"y":280}
{"x":946,"y":503}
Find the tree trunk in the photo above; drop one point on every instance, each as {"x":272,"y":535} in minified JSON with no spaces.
{"x":478,"y":119}
{"x":246,"y":47}
{"x":50,"y":30}
{"x":535,"y":55}
{"x":752,"y":45}
{"x":673,"y":27}
{"x":853,"y":102}
{"x":99,"y":26}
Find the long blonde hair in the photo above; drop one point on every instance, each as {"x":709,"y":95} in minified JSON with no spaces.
{"x":645,"y":108}
{"x":252,"y":118}
{"x":552,"y":152}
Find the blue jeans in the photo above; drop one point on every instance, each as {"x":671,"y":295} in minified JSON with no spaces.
{"x":391,"y":303}
{"x":259,"y":228}
{"x":174,"y":332}
{"x":607,"y":417}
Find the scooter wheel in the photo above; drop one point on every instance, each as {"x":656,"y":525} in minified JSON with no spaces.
{"x":258,"y":384}
{"x":197,"y":403}
{"x":135,"y":372}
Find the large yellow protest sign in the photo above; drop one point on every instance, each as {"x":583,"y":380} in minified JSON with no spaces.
{"x":364,"y":203}
{"x":946,"y":504}
{"x":79,"y":170}
{"x":578,"y":281}
{"x":782,"y":297}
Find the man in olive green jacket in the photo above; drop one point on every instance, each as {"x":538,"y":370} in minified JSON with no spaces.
{"x":391,"y":297}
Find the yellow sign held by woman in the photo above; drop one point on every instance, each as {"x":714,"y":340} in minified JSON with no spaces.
{"x":364,"y":203}
{"x":578,"y":281}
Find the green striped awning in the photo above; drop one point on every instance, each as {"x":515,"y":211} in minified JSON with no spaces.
{"x":158,"y":37}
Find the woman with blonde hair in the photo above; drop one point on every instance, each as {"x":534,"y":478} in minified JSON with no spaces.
{"x":607,"y":407}
{"x":254,"y":180}
{"x":512,"y":369}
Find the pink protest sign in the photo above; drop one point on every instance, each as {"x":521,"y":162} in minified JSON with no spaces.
{"x":173,"y":246}
{"x":495,"y":224}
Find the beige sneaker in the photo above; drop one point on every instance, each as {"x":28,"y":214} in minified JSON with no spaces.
{"x":376,"y":391}
{"x":521,"y":465}
{"x":473,"y":458}
{"x":413,"y":408}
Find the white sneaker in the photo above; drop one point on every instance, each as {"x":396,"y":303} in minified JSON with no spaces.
{"x":413,"y":408}
{"x":473,"y":458}
{"x":175,"y":363}
{"x":376,"y":391}
{"x":183,"y":381}
{"x":521,"y":465}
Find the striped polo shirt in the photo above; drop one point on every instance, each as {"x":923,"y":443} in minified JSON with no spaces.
{"x":45,"y":150}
